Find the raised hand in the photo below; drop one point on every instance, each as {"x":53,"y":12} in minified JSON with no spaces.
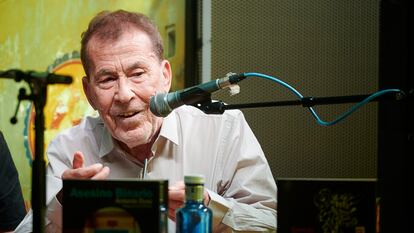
{"x":95,"y":171}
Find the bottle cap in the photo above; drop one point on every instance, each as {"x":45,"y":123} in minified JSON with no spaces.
{"x":194,"y":179}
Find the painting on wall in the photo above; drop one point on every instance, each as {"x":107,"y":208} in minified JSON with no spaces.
{"x":44,"y":35}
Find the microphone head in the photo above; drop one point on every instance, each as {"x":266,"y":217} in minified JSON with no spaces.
{"x":159,"y":105}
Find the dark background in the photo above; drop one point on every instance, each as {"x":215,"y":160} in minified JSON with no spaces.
{"x":323,"y":48}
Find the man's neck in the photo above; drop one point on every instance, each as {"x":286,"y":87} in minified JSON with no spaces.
{"x":140,"y":152}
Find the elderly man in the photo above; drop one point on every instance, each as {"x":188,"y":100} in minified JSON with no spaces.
{"x":122,"y":55}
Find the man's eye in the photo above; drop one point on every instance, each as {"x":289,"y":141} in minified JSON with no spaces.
{"x":106,"y":82}
{"x":137,"y":74}
{"x":106,"y":79}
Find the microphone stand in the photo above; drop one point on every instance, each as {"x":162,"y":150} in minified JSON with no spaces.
{"x":38,"y":87}
{"x":210,"y":107}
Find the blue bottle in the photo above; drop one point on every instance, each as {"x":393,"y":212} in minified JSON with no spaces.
{"x":194,"y":216}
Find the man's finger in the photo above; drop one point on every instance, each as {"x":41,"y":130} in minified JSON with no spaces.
{"x":175,"y":204}
{"x":90,"y":171}
{"x":102,"y":174}
{"x":78,"y":159}
{"x":82,"y":173}
{"x":176,"y":195}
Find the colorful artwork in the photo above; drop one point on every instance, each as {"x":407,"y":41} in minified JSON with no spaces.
{"x":44,"y":35}
{"x":66,"y":104}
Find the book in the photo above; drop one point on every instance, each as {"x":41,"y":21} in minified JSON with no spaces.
{"x":326,"y":205}
{"x":120,"y":206}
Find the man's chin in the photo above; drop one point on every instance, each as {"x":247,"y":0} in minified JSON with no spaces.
{"x":133,"y":140}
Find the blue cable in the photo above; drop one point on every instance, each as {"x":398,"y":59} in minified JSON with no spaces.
{"x":313,"y":112}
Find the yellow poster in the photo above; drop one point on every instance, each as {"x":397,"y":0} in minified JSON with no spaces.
{"x":44,"y":35}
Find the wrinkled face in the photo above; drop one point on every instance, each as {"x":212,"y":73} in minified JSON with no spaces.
{"x":123,"y":76}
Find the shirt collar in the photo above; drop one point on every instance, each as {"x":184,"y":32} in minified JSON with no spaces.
{"x":169,"y":128}
{"x":106,"y":144}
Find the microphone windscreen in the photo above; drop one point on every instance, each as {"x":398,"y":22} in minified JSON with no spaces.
{"x":159,"y":105}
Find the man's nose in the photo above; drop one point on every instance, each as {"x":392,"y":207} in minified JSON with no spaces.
{"x":125,"y":92}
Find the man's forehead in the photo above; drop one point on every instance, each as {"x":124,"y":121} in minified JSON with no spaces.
{"x":129,"y":34}
{"x":130,"y":44}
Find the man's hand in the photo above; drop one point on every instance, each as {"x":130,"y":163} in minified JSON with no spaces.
{"x":96,"y":171}
{"x":176,"y":198}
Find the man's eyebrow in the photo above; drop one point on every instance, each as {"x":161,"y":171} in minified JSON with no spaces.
{"x":104,"y":72}
{"x":138,"y":64}
{"x":135,"y":65}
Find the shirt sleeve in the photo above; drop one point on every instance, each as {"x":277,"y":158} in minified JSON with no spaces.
{"x":53,"y":222}
{"x":247,"y":191}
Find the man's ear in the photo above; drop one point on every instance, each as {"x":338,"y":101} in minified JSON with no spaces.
{"x":87,"y":91}
{"x":167,"y":75}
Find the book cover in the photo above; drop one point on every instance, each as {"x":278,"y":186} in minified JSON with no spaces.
{"x":326,"y":206}
{"x":121,"y":206}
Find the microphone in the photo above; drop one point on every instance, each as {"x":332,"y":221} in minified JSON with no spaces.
{"x":163,"y":103}
{"x":50,"y":78}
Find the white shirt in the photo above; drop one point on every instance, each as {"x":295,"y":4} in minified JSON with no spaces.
{"x":221,"y":147}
